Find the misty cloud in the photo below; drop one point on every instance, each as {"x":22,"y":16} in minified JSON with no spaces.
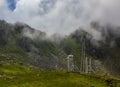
{"x":62,"y":16}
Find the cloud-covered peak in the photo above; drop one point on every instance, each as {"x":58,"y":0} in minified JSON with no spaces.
{"x":61,"y":16}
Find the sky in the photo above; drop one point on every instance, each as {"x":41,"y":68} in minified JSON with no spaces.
{"x":60,"y":16}
{"x":11,"y":4}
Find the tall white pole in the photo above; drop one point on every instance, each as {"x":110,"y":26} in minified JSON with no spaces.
{"x":86,"y":70}
{"x":84,"y":53}
{"x":81,"y":55}
{"x":68,"y":63}
{"x":90,"y":65}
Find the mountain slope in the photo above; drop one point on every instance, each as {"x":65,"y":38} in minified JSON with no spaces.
{"x":28,"y":58}
{"x":106,"y":50}
{"x":23,"y":45}
{"x":29,"y":46}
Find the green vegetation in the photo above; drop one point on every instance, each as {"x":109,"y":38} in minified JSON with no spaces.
{"x":54,"y":79}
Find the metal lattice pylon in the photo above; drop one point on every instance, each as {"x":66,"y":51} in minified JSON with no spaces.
{"x":86,"y":63}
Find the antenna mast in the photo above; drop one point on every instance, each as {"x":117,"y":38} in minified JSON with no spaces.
{"x":86,"y":63}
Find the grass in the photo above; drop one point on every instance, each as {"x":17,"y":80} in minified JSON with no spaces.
{"x":13,"y":74}
{"x":53,"y":79}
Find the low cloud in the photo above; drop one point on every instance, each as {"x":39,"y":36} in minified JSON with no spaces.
{"x":61,"y":16}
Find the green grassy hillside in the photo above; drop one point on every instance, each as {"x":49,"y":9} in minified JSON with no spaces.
{"x":25,"y":78}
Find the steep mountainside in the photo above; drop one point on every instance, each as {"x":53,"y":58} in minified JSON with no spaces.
{"x":106,"y":50}
{"x":23,"y":45}
{"x":29,"y":46}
